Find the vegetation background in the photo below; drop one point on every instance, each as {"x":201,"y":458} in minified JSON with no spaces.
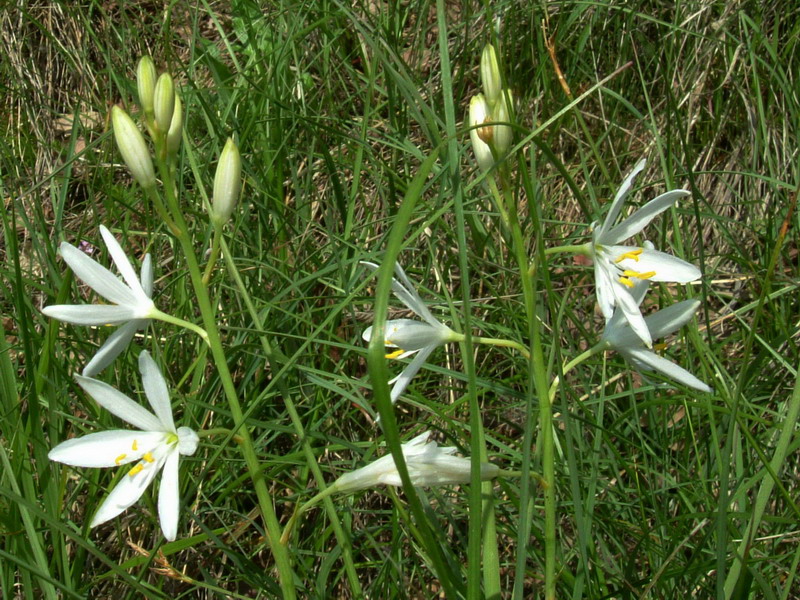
{"x":334,"y":105}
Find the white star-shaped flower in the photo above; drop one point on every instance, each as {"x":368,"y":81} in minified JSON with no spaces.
{"x":132,"y":306}
{"x":428,"y":464}
{"x":619,"y":336}
{"x":158,"y":445}
{"x":410,"y":336}
{"x":617,"y":267}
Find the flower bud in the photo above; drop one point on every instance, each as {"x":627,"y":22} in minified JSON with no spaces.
{"x":227,"y":183}
{"x":490,"y":75}
{"x":133,"y":148}
{"x":503,"y":134}
{"x":164,"y":102}
{"x":175,"y":128}
{"x":478,"y":113}
{"x":146,"y":84}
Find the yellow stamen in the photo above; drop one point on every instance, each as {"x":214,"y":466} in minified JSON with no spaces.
{"x":626,"y":281}
{"x":149,"y":457}
{"x":119,"y":459}
{"x":633,"y":255}
{"x":136,"y":470}
{"x":396,"y":353}
{"x":135,"y":445}
{"x":659,"y":347}
{"x":647,"y":275}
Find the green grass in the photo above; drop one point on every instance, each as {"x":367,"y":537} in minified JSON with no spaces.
{"x":335,"y":107}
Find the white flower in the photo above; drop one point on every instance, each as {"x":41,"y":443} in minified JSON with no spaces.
{"x":410,"y":336}
{"x":618,"y":267}
{"x":428,"y":464}
{"x":132,"y":306}
{"x":158,"y":445}
{"x":620,"y":336}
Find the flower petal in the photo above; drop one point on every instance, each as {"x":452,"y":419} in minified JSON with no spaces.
{"x":115,"y":344}
{"x":96,"y":276}
{"x":619,"y":200}
{"x":630,"y":310}
{"x":169,"y":497}
{"x":604,"y":275}
{"x":640,"y":219}
{"x":402,"y":381}
{"x":121,"y":261}
{"x":664,"y":266}
{"x":119,"y":404}
{"x":666,"y":367}
{"x":129,"y":489}
{"x":90,"y":314}
{"x":155,"y":388}
{"x":106,"y":448}
{"x":147,"y":275}
{"x":672,"y":318}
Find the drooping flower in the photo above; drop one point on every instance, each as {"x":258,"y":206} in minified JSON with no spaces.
{"x":617,"y":267}
{"x":428,"y":464}
{"x":619,"y":336}
{"x":158,"y":445}
{"x":131,"y":306}
{"x":408,"y":335}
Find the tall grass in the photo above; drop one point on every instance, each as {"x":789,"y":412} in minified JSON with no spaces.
{"x":660,"y":492}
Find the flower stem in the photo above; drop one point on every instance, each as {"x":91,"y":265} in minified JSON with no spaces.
{"x":279,"y":552}
{"x":162,"y":316}
{"x":599,"y":347}
{"x":574,"y":249}
{"x":303,"y":508}
{"x":212,"y":260}
{"x":504,"y":343}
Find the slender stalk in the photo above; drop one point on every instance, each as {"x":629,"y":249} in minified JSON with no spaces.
{"x":504,"y":343}
{"x":279,"y":551}
{"x":162,"y":316}
{"x":212,"y":260}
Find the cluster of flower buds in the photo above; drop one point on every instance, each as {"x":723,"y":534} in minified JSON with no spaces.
{"x":490,"y":142}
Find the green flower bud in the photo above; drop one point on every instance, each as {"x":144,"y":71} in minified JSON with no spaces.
{"x":175,"y":128}
{"x":227,"y":183}
{"x":164,"y":102}
{"x":503,"y":134}
{"x":490,"y":75}
{"x":146,"y":84}
{"x":133,"y":148}
{"x":478,"y":114}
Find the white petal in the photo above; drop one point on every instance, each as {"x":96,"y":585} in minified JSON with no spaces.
{"x":414,"y":335}
{"x":187,"y":441}
{"x":147,"y":275}
{"x":672,"y":318}
{"x":604,"y":284}
{"x":639,"y":220}
{"x":106,"y":448}
{"x":402,"y":381}
{"x":406,"y":292}
{"x":666,"y":367}
{"x":665,"y":266}
{"x":115,"y":344}
{"x":128,"y":490}
{"x":630,"y":310}
{"x":155,"y":388}
{"x":619,"y":200}
{"x":121,"y":261}
{"x":168,"y":497}
{"x":119,"y":404}
{"x":90,"y":314}
{"x":96,"y":276}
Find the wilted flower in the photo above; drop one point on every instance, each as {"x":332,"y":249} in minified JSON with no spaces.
{"x":157,"y":445}
{"x":132,"y":306}
{"x":428,"y":464}
{"x":617,"y":268}
{"x":410,"y":336}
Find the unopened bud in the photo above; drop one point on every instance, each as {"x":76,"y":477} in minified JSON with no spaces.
{"x":133,"y":148}
{"x":478,"y":112}
{"x":490,"y":75}
{"x":175,"y":128}
{"x":146,"y":84}
{"x":164,"y":102}
{"x":227,"y":183}
{"x":503,"y":134}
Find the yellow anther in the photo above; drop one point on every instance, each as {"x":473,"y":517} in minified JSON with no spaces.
{"x":659,"y":347}
{"x":396,"y":353}
{"x":149,"y":458}
{"x":119,"y":459}
{"x":629,"y":273}
{"x":135,"y":445}
{"x":626,"y":281}
{"x":136,"y":470}
{"x":633,"y":255}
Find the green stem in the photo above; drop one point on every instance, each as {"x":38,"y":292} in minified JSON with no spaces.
{"x":329,"y":491}
{"x":573,"y":248}
{"x":599,"y":347}
{"x":279,"y":551}
{"x":503,"y":343}
{"x":212,"y":260}
{"x":162,"y":316}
